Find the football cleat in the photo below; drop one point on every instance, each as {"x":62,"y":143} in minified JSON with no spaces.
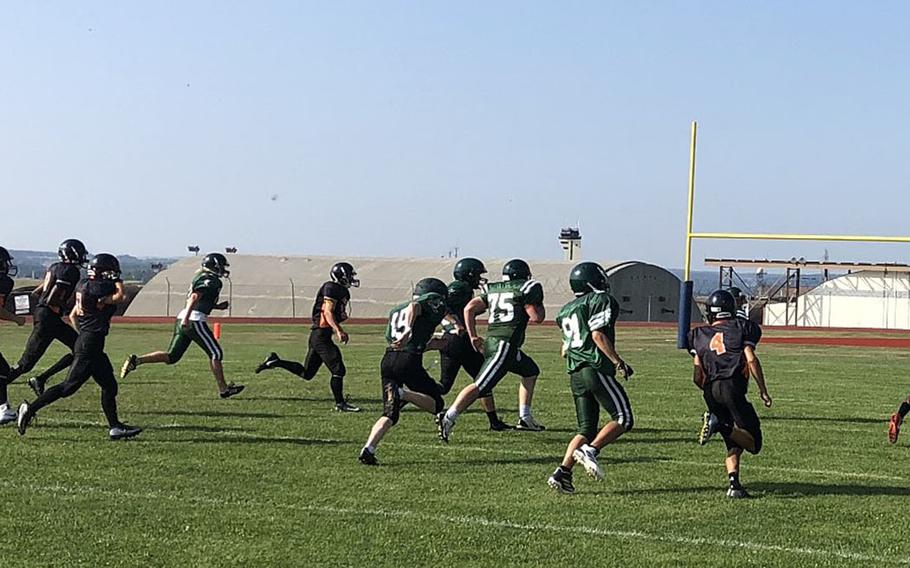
{"x":739,"y":492}
{"x":346,"y":407}
{"x":24,"y":419}
{"x":231,"y":390}
{"x":269,"y":363}
{"x":7,"y":414}
{"x":587,"y":456}
{"x":894,"y":427}
{"x":124,"y":431}
{"x":561,"y":482}
{"x":708,"y":428}
{"x":444,"y":425}
{"x":529,"y":424}
{"x":367,"y":457}
{"x":128,"y":366}
{"x":499,"y":426}
{"x":36,"y":385}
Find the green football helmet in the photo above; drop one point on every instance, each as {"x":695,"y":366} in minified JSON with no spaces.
{"x":588,"y":277}
{"x":470,"y":271}
{"x":516,"y":269}
{"x":431,"y":285}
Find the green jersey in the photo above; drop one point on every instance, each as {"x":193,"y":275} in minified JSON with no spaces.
{"x":506,"y":302}
{"x":432,"y":310}
{"x":460,"y":293}
{"x":208,"y":286}
{"x":579,"y":319}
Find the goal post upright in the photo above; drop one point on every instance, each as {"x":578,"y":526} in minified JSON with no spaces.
{"x":686,"y":287}
{"x":686,"y":296}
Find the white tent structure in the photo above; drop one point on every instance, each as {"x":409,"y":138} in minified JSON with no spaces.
{"x":867,"y":299}
{"x":285,"y":286}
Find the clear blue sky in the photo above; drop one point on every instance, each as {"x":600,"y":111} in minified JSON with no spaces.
{"x":405,"y":128}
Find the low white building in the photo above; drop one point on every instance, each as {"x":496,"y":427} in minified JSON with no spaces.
{"x":875,"y":299}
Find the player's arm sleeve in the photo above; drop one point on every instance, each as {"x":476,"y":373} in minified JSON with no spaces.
{"x":690,"y":341}
{"x":534,"y":295}
{"x":204,"y":284}
{"x":753,"y":335}
{"x":602,"y":314}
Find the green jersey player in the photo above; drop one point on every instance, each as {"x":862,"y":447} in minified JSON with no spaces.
{"x":191,"y":326}
{"x":512,"y":303}
{"x":408,"y":334}
{"x":588,"y":326}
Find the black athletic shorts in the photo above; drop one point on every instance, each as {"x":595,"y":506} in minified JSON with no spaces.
{"x":322,"y":350}
{"x":457,"y":353}
{"x":726,"y":399}
{"x":401,"y":369}
{"x":48,"y":326}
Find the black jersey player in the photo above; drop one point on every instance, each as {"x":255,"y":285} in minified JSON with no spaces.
{"x":55,"y":295}
{"x":329,"y":310}
{"x":724,"y":360}
{"x":96,"y":301}
{"x":7,"y":271}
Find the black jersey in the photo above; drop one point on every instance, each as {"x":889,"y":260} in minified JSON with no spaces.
{"x":721,"y":347}
{"x":6,"y":287}
{"x":95,"y":318}
{"x":59,"y":290}
{"x":337,"y":293}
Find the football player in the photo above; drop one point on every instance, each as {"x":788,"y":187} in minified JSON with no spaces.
{"x":742,"y":310}
{"x":192,"y":326}
{"x":724,"y":360}
{"x":96,"y":301}
{"x":329,"y":310}
{"x":894,"y":425}
{"x":409,"y":333}
{"x":709,"y":421}
{"x":456,"y":351}
{"x":512,"y":303}
{"x":588,"y":325}
{"x":54,"y":298}
{"x":7,"y":270}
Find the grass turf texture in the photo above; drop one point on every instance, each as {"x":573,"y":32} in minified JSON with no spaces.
{"x":271,"y":477}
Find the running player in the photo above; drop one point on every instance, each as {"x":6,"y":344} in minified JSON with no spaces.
{"x":7,"y":270}
{"x":724,"y":360}
{"x":589,"y":346}
{"x":96,"y":301}
{"x":409,"y":333}
{"x":894,"y":425}
{"x":192,"y":326}
{"x":329,"y":310}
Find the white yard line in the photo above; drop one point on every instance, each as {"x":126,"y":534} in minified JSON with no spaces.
{"x":467,"y":521}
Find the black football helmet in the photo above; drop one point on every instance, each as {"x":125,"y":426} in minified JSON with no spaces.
{"x":434,"y":285}
{"x":6,"y":263}
{"x":216,"y":263}
{"x":720,"y":305}
{"x":516,"y":269}
{"x":470,"y":271}
{"x":104,"y":267}
{"x":343,"y":273}
{"x":588,"y":277}
{"x":72,"y":251}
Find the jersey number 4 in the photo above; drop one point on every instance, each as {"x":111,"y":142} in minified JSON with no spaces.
{"x":717,"y":344}
{"x":501,"y":308}
{"x":572,"y":331}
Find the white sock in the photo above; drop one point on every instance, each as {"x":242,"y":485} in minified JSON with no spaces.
{"x":524,"y":411}
{"x":451,"y":415}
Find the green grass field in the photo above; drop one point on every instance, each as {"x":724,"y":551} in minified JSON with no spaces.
{"x":271,"y":477}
